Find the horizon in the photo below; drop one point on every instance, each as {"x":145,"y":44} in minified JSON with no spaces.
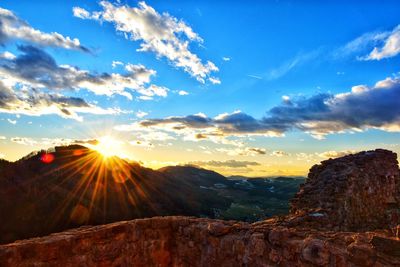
{"x":259,"y":90}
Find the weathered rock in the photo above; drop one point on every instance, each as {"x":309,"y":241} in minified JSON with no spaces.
{"x":353,"y":193}
{"x":184,"y":241}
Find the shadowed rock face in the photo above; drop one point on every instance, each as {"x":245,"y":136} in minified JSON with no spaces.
{"x":353,"y":193}
{"x":356,"y":192}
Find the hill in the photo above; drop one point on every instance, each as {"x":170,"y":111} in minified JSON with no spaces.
{"x":69,"y":186}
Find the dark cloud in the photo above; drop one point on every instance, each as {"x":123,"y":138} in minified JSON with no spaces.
{"x":88,"y":141}
{"x":190,"y":121}
{"x":362,"y":108}
{"x":260,"y":151}
{"x":39,"y":69}
{"x":33,"y":102}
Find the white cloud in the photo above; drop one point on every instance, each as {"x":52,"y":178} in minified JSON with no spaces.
{"x":141,"y":114}
{"x":24,"y":70}
{"x":381,"y":44}
{"x":389,"y":48}
{"x":162,"y":34}
{"x":12,"y":121}
{"x":214,"y":80}
{"x":114,"y":64}
{"x":12,"y":27}
{"x":24,"y":141}
{"x":7,"y":55}
{"x":226,"y":58}
{"x":182,"y":92}
{"x":32,"y":102}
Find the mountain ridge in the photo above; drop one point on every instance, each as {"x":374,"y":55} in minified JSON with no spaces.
{"x":68,"y":186}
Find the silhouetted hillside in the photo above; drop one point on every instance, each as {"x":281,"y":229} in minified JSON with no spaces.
{"x":49,"y":191}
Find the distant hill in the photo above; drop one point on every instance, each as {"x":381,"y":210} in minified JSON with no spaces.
{"x":49,"y":191}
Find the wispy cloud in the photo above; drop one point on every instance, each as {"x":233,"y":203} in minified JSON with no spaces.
{"x":255,"y":76}
{"x":162,"y":34}
{"x":227,"y":163}
{"x":380,"y":44}
{"x":286,"y":67}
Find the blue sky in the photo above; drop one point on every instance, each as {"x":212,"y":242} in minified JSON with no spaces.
{"x":277,"y":91}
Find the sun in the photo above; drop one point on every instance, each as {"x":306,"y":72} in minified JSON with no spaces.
{"x":108,"y":146}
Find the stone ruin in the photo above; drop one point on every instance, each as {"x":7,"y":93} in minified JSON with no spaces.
{"x":357,"y":192}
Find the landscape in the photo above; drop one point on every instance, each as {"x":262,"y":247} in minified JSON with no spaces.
{"x":199,"y":133}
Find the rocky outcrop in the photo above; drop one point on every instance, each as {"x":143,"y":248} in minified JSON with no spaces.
{"x":340,"y":201}
{"x":353,"y":193}
{"x":184,"y":241}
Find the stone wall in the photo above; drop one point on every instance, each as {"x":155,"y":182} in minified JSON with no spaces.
{"x":184,"y":241}
{"x":353,"y":193}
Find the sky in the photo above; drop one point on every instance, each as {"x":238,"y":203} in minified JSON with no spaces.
{"x":255,"y":88}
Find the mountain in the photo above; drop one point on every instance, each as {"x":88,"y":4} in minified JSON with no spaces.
{"x":69,"y":186}
{"x":345,"y":214}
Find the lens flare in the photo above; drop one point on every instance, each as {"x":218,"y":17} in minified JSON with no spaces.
{"x":47,"y":158}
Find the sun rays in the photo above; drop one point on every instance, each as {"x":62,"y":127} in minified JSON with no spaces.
{"x":108,"y":147}
{"x":91,"y":178}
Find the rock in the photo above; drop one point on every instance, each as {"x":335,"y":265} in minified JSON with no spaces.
{"x":244,"y":244}
{"x":389,"y":246}
{"x":357,"y":192}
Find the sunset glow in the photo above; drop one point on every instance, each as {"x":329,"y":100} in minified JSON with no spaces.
{"x":261,"y":89}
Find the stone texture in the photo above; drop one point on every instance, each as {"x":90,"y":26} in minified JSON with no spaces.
{"x":186,"y":241}
{"x":353,"y":193}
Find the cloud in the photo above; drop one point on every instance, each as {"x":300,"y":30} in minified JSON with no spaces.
{"x":32,"y":102}
{"x":226,"y":58}
{"x":384,"y":44}
{"x":141,"y":114}
{"x":12,"y":121}
{"x":23,"y":141}
{"x":389,"y":48}
{"x":214,"y":80}
{"x":364,"y":107}
{"x":279,"y":153}
{"x":255,"y":76}
{"x":289,"y":65}
{"x":246,"y":151}
{"x":114,"y":64}
{"x":182,"y":92}
{"x":227,"y":163}
{"x":335,"y":154}
{"x":140,"y":143}
{"x":28,"y":141}
{"x":36,"y":68}
{"x":162,"y":34}
{"x":12,"y":27}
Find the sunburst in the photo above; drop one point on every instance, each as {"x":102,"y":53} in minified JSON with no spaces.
{"x":108,"y":146}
